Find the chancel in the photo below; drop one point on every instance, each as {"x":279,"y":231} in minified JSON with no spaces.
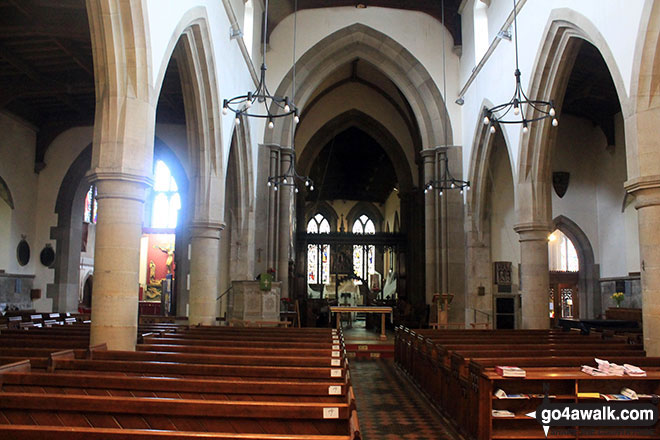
{"x":301,"y":219}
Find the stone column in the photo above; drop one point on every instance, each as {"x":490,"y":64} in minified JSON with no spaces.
{"x":535,"y":278}
{"x":286,"y":224}
{"x":273,"y":197}
{"x":430,"y":226}
{"x":647,"y":194}
{"x":117,"y":259}
{"x":204,"y":272}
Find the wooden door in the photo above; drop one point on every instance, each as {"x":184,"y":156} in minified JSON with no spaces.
{"x":564,"y":298}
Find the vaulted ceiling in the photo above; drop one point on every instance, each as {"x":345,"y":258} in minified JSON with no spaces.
{"x":590,"y":92}
{"x":280,"y":9}
{"x":352,"y":166}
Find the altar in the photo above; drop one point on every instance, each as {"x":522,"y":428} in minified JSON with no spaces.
{"x":383,"y":310}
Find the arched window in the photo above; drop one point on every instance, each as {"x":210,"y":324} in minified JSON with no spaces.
{"x":318,"y":255}
{"x":91,"y":206}
{"x":481,"y":42}
{"x":562,"y":255}
{"x":364,"y":256}
{"x":248,"y":25}
{"x":166,"y":198}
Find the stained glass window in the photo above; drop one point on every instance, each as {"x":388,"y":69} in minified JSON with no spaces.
{"x":364,"y":256}
{"x":167,"y":201}
{"x":318,"y":255}
{"x":91,"y":206}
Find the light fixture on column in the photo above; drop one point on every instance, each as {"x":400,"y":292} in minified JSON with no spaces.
{"x":276,"y":106}
{"x":517,"y":110}
{"x":446,"y":180}
{"x":291,"y":178}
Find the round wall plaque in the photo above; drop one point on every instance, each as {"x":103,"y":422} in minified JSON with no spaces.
{"x":47,"y":256}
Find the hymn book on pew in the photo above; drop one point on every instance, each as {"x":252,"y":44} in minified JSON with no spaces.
{"x":506,"y":371}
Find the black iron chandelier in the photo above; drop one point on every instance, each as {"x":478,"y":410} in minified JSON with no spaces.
{"x":446,"y":180}
{"x":276,"y":106}
{"x":519,"y":104}
{"x":291,"y":178}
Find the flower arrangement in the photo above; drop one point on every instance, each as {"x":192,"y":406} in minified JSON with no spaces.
{"x":618,"y":298}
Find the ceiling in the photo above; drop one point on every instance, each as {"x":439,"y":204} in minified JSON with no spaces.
{"x":280,"y":9}
{"x":352,"y":166}
{"x":47,"y":71}
{"x":591,"y":93}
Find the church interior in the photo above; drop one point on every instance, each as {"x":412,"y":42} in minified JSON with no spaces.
{"x":302,"y":219}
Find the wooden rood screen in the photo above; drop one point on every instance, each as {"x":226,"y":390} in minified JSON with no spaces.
{"x":214,"y":383}
{"x":456,"y":370}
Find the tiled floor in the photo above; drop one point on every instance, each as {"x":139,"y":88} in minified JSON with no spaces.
{"x":390,"y":408}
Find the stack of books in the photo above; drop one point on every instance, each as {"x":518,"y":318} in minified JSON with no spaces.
{"x":505,"y":371}
{"x":634,"y":371}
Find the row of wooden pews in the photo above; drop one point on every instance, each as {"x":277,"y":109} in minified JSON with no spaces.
{"x":180,"y":383}
{"x":29,"y":319}
{"x":456,"y":370}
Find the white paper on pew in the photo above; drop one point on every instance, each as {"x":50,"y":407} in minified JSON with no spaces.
{"x":335,"y":354}
{"x":335,"y":347}
{"x":335,"y":362}
{"x":330,"y":413}
{"x":335,"y":372}
{"x":334,"y":390}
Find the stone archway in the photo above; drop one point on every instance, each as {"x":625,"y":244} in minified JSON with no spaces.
{"x":589,"y":273}
{"x":394,"y":60}
{"x":192,"y":49}
{"x":488,"y":151}
{"x":564,"y":33}
{"x":64,"y":291}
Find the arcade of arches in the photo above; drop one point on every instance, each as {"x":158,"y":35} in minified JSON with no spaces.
{"x":116,"y":156}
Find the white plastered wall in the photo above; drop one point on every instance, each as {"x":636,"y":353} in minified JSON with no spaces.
{"x":17,"y":169}
{"x":60,"y":154}
{"x":418,"y":32}
{"x":595,"y":193}
{"x":495,"y":82}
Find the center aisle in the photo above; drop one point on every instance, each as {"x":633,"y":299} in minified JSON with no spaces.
{"x":390,"y":407}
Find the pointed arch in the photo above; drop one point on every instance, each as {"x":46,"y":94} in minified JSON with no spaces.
{"x":394,"y":60}
{"x":191,"y":46}
{"x":380,"y":133}
{"x":563,"y":34}
{"x":370,"y":210}
{"x":480,"y":160}
{"x":588,"y":275}
{"x":326,"y":210}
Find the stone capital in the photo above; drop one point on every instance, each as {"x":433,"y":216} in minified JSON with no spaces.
{"x":533,"y":231}
{"x":206,"y":229}
{"x":119,"y":185}
{"x":646,"y":190}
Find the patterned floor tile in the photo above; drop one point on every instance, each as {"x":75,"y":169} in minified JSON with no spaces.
{"x":389,"y":406}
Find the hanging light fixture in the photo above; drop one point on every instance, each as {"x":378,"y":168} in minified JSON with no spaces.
{"x":517,"y":110}
{"x":291,"y":178}
{"x":446,"y":180}
{"x":276,"y":106}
